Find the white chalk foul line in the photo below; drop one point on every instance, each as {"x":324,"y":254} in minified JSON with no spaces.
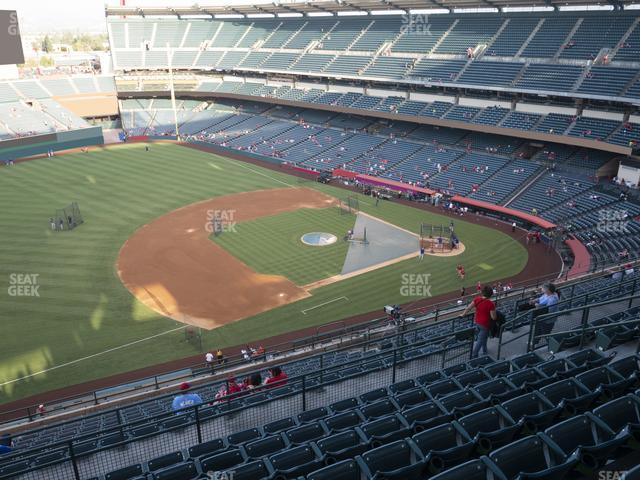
{"x":91,"y":356}
{"x":304,"y":312}
{"x":265,"y":175}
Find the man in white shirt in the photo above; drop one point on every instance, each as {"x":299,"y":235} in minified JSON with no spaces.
{"x":208,"y":358}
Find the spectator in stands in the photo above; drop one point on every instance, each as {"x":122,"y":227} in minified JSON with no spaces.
{"x":220,"y":357}
{"x":485,"y":313}
{"x":547,"y":303}
{"x":208,"y":358}
{"x":277,"y":377}
{"x":260,"y":353}
{"x":6,"y":444}
{"x":254,"y":381}
{"x":618,"y":274}
{"x":185,"y":399}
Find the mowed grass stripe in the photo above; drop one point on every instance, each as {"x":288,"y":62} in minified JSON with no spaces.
{"x":272,"y":244}
{"x":84,"y":309}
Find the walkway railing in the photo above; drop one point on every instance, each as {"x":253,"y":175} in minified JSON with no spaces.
{"x":123,"y":444}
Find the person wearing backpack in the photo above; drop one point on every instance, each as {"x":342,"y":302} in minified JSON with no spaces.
{"x":485,"y":314}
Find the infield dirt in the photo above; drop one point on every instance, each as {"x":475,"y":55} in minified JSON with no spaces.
{"x":173,"y":267}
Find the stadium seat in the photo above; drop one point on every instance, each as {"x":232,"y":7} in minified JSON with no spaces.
{"x":620,"y":414}
{"x":425,"y":415}
{"x":490,"y":428}
{"x":343,"y":445}
{"x":207,"y":448}
{"x":164,"y":461}
{"x":264,"y":446}
{"x":398,"y":460}
{"x":589,"y":358}
{"x":243,"y":437}
{"x":296,"y":461}
{"x":429,"y":378}
{"x":279,"y":426}
{"x":342,"y":421}
{"x":444,"y":445}
{"x":443,"y":387}
{"x":313,"y":415}
{"x":125,"y":473}
{"x":527,"y":360}
{"x":257,"y":470}
{"x":401,"y":386}
{"x":530,"y":457}
{"x":344,"y":470}
{"x":483,"y":361}
{"x":605,"y":381}
{"x":533,"y":411}
{"x":222,"y":461}
{"x":529,"y":379}
{"x":628,"y":367}
{"x":411,"y":397}
{"x":462,"y":403}
{"x":594,"y":442}
{"x":344,"y":405}
{"x":374,"y":395}
{"x":379,"y":409}
{"x":184,"y":471}
{"x":497,"y":390}
{"x":558,"y":368}
{"x":306,"y":433}
{"x":111,"y":439}
{"x":472,"y":377}
{"x":385,"y":430}
{"x":570,"y":395}
{"x":473,"y":470}
{"x":176,"y":422}
{"x":15,"y":467}
{"x":499,"y":369}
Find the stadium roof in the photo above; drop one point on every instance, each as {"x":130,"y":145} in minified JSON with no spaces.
{"x":344,"y":6}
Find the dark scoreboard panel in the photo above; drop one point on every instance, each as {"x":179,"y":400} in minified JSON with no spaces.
{"x":10,"y":42}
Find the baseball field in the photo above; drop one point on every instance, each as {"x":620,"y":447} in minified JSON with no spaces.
{"x":115,"y":293}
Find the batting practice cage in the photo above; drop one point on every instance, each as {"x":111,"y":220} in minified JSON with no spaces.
{"x":349,"y":205}
{"x":67,"y":218}
{"x":437,"y":238}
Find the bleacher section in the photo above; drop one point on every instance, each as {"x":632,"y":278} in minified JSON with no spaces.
{"x":521,"y":51}
{"x":27,"y":107}
{"x":558,"y":124}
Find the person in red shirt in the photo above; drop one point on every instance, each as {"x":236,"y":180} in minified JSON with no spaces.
{"x":277,"y":378}
{"x":485,"y":312}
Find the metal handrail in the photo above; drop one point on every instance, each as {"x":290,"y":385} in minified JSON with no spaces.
{"x":520,"y":319}
{"x":463,"y":337}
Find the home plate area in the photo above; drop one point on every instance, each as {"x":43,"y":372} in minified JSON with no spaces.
{"x":384,"y":243}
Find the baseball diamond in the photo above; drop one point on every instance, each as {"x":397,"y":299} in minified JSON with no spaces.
{"x":319,"y":240}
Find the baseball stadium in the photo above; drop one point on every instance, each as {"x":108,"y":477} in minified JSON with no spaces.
{"x":321,"y":239}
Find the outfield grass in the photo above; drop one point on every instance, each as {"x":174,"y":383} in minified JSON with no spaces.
{"x":272,"y":244}
{"x":83,"y":309}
